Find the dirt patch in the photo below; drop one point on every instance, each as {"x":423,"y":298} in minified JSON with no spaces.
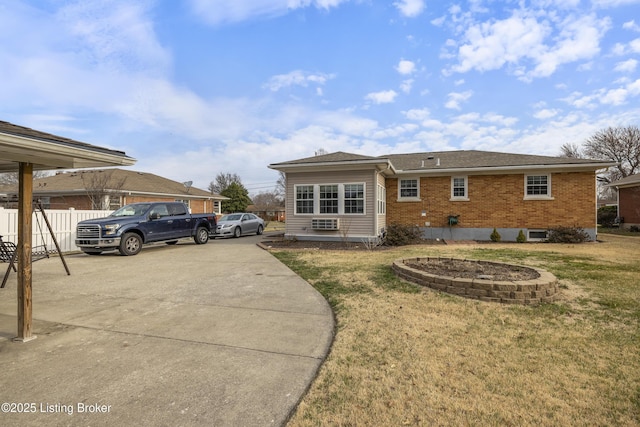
{"x":280,"y":243}
{"x":469,"y":269}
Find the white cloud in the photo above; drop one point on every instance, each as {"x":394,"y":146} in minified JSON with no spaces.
{"x":491,"y":45}
{"x":605,"y":4}
{"x":217,"y":12}
{"x":614,"y":96}
{"x":532,"y":46}
{"x":405,"y":67}
{"x":456,"y":98}
{"x":417,"y":114}
{"x":627,"y":66}
{"x":116,"y":35}
{"x":406,"y":85}
{"x":297,"y":78}
{"x":545,"y":114}
{"x":410,"y":8}
{"x":383,"y":97}
{"x":631,"y":25}
{"x":578,"y":40}
{"x":635,"y":45}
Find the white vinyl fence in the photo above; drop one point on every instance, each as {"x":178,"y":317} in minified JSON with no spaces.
{"x":63,"y":223}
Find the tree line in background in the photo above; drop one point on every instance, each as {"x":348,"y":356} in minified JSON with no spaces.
{"x":230,"y":185}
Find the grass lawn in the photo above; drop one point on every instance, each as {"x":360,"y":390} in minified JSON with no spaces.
{"x":404,"y":355}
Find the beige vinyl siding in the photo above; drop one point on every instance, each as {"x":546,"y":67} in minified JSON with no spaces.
{"x":355,"y":225}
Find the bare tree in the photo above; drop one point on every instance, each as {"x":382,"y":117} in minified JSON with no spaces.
{"x":281,"y":185}
{"x":223,"y":181}
{"x":571,"y":150}
{"x":321,"y":152}
{"x":267,"y":201}
{"x":619,"y":144}
{"x":99,"y":183}
{"x":10,"y":178}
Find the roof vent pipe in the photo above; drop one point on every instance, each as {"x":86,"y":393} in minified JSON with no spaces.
{"x":423,"y":163}
{"x":438,"y":161}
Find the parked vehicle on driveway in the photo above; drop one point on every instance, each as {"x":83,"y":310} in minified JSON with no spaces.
{"x":238,"y":224}
{"x":131,"y":226}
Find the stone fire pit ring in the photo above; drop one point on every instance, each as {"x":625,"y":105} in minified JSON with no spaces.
{"x":541,"y":288}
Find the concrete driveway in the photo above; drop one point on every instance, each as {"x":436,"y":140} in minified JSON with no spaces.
{"x":220,"y":334}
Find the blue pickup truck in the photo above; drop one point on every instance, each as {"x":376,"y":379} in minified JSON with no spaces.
{"x":131,"y":226}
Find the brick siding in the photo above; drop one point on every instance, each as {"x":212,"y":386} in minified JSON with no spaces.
{"x":629,"y":199}
{"x":498,"y":201}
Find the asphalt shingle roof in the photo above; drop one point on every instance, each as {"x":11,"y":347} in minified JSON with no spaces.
{"x":338,"y":156}
{"x":631,"y":179}
{"x":16,"y":130}
{"x":448,"y":160}
{"x":114,"y":179}
{"x":476,"y":159}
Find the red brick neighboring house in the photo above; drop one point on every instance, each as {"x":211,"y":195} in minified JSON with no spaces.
{"x":453,"y":195}
{"x":628,"y":200}
{"x":110,"y":189}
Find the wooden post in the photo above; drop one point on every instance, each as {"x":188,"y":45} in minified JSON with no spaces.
{"x":25,"y":212}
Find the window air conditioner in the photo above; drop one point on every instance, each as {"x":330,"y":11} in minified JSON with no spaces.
{"x":325,"y":224}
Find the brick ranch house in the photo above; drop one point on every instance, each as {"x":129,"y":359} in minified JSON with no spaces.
{"x":110,"y":189}
{"x":628,"y":200}
{"x":451,"y":195}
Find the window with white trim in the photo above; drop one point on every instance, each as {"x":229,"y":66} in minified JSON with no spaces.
{"x":382,"y":200}
{"x":459,"y":188}
{"x":409,"y":188}
{"x":304,"y":199}
{"x":328,"y":199}
{"x":353,"y":198}
{"x":537,"y":186}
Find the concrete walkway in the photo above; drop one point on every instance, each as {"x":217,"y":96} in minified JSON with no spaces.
{"x":220,"y":334}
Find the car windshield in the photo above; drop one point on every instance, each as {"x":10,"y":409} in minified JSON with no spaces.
{"x":131,"y":210}
{"x":232,"y":217}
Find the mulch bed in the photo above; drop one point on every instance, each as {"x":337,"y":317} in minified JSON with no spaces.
{"x":278,"y":242}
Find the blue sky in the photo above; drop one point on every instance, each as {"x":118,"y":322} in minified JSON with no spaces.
{"x":194,"y":88}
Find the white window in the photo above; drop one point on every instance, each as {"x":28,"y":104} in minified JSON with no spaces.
{"x":537,"y":186}
{"x":382,"y":200}
{"x":304,"y":199}
{"x":459,"y":188}
{"x":328,"y":199}
{"x":409,"y":189}
{"x":353,"y":198}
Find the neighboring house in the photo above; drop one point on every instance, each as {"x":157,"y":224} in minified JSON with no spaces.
{"x":268,"y":213}
{"x":109,"y":189}
{"x":628,"y":200}
{"x":454,"y":195}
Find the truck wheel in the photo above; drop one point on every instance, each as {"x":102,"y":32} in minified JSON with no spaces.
{"x":259,"y":232}
{"x":237,"y":232}
{"x":130,"y":244}
{"x":202,"y":236}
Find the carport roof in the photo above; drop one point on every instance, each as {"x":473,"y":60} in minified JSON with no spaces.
{"x":19,"y":144}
